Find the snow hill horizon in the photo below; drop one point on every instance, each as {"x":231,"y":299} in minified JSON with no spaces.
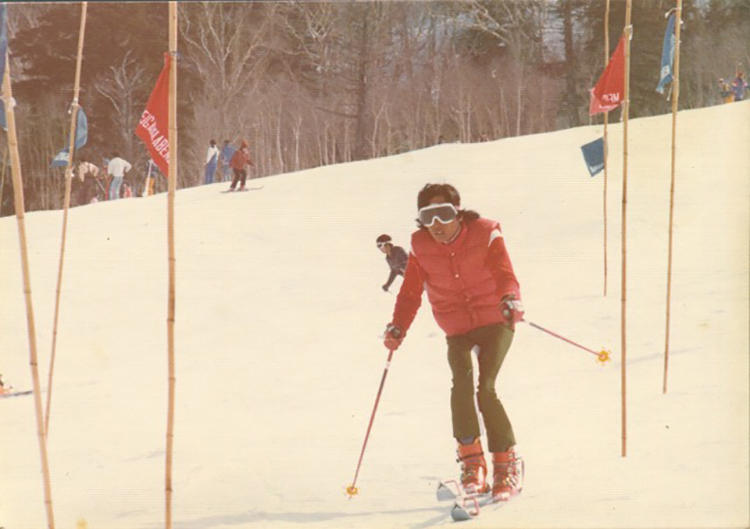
{"x":278,"y":350}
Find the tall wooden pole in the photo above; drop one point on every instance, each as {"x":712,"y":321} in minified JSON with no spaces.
{"x":606,"y":145}
{"x":623,"y":289}
{"x":172,"y":177}
{"x":68,"y":179}
{"x":15,"y":161}
{"x":675,"y":101}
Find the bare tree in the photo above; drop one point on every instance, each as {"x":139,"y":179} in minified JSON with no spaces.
{"x":126,"y":79}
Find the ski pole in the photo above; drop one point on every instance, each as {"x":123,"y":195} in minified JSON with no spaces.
{"x":351,"y":490}
{"x":602,"y":356}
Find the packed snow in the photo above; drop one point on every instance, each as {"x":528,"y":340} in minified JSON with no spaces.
{"x":279,"y":355}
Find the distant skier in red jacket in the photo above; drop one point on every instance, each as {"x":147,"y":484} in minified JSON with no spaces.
{"x":460,"y":259}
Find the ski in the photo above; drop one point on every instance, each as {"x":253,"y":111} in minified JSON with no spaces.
{"x":242,"y":190}
{"x":15,"y":394}
{"x":465,"y":505}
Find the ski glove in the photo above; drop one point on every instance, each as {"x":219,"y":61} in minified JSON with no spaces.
{"x":385,"y":288}
{"x":393,"y":337}
{"x":512,"y":309}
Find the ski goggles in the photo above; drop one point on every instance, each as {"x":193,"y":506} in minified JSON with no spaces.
{"x":382,"y":244}
{"x":444,"y":213}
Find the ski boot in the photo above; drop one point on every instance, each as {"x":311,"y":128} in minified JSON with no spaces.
{"x":473,"y":468}
{"x":508,"y":472}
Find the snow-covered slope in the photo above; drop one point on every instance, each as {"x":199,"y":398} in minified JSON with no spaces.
{"x":279,"y":312}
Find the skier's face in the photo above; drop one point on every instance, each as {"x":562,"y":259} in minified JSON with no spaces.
{"x":443,"y":233}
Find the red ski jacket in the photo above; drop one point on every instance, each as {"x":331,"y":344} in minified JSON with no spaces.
{"x":465,"y":279}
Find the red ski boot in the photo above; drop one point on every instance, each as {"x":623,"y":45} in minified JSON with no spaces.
{"x":507,"y":474}
{"x":473,"y":468}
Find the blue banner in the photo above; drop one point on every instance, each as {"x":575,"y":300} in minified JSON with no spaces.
{"x":667,"y":56}
{"x":82,"y":128}
{"x":3,"y":53}
{"x":593,"y":155}
{"x":61,"y":158}
{"x":3,"y":39}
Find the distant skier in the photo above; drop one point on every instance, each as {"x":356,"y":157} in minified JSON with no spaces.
{"x":725,"y":91}
{"x":739,"y":85}
{"x":226,"y":156}
{"x":461,"y":260}
{"x":117,"y":167}
{"x":212,"y":159}
{"x":239,"y":162}
{"x":395,"y":256}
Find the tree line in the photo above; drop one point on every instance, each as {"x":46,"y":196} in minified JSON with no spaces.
{"x":310,"y":84}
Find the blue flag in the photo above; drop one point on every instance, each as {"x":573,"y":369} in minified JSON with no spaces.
{"x":593,"y":155}
{"x":61,"y":158}
{"x":667,"y":56}
{"x":82,"y":128}
{"x":3,"y":52}
{"x":3,"y":39}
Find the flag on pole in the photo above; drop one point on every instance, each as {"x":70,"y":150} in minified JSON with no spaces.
{"x":153,"y":125}
{"x":3,"y":38}
{"x":82,"y":129}
{"x":593,"y":155}
{"x":667,"y":56}
{"x":609,"y":91}
{"x":3,"y":53}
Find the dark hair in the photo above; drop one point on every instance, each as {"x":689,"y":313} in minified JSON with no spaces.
{"x":383,"y":238}
{"x":213,"y":143}
{"x":115,"y":154}
{"x":450,"y":193}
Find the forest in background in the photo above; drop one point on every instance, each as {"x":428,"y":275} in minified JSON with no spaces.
{"x":310,"y":84}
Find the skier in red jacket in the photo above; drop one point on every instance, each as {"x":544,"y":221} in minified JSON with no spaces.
{"x":460,"y":259}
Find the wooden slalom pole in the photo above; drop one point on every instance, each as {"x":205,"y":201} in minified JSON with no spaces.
{"x":675,"y":101}
{"x":66,"y":205}
{"x":15,"y":161}
{"x":172,"y":184}
{"x":606,"y":145}
{"x":623,"y":291}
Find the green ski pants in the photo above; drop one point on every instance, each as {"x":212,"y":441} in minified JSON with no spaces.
{"x":494,"y":342}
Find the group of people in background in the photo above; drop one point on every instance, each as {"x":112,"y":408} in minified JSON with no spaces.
{"x":92,"y":183}
{"x":234,"y":162}
{"x":734,"y":91}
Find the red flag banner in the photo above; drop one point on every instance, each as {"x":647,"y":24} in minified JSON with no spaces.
{"x":609,"y":91}
{"x":153,"y":125}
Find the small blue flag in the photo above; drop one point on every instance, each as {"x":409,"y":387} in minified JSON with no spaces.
{"x":667,"y":56}
{"x":82,"y":128}
{"x":3,"y":52}
{"x":593,"y":155}
{"x":3,"y":39}
{"x":61,"y":158}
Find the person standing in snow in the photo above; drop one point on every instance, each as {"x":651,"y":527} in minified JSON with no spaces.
{"x":460,"y":259}
{"x":226,"y":156}
{"x":725,"y":91}
{"x":395,"y":256}
{"x":240,"y":160}
{"x":739,"y":85}
{"x":212,"y":159}
{"x":117,"y":167}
